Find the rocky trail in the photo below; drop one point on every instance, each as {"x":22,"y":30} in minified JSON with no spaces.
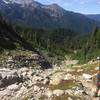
{"x":22,"y":78}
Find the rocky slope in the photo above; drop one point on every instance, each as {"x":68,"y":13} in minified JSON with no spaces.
{"x":10,"y":39}
{"x":22,"y":78}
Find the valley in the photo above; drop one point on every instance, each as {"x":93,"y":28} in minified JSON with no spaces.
{"x":47,"y":52}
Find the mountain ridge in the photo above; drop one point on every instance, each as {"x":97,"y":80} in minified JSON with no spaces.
{"x":94,"y":17}
{"x":51,"y":16}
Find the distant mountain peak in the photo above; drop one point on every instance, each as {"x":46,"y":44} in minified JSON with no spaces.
{"x":55,"y":5}
{"x":24,"y":3}
{"x":18,"y":1}
{"x":94,"y":17}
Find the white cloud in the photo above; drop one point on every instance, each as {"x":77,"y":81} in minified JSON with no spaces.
{"x":98,"y":2}
{"x":71,"y":2}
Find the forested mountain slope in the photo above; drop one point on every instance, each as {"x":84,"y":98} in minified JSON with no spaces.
{"x":94,"y":16}
{"x":52,"y":16}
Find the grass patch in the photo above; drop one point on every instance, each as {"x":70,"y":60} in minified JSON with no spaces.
{"x":26,"y":98}
{"x":43,"y":97}
{"x":65,"y":97}
{"x":90,"y":68}
{"x":64,"y":85}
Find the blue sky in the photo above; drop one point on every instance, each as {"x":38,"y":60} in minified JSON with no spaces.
{"x":81,"y":6}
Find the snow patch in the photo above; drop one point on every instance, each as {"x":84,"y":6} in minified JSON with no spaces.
{"x":18,"y":1}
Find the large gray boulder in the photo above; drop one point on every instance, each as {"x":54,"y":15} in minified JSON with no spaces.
{"x":13,"y":87}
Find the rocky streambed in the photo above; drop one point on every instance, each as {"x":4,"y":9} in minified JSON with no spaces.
{"x":34,"y":83}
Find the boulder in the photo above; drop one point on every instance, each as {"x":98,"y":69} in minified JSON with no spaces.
{"x":37,"y":78}
{"x":78,"y":92}
{"x":97,"y":68}
{"x":56,"y":78}
{"x":10,"y":61}
{"x":87,"y":76}
{"x":69,"y":98}
{"x":35,"y":56}
{"x":36,"y":88}
{"x":13,"y":87}
{"x":69,"y":92}
{"x":79,"y":70}
{"x":46,"y":81}
{"x":23,"y":70}
{"x":30,"y":73}
{"x":69,"y":77}
{"x":49,"y":94}
{"x":24,"y":74}
{"x":58,"y":92}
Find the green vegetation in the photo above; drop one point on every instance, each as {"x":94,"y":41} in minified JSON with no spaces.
{"x":26,"y":98}
{"x":65,"y":97}
{"x":64,"y":85}
{"x":90,"y":49}
{"x":54,"y":43}
{"x":57,"y":43}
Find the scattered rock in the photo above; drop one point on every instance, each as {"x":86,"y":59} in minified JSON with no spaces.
{"x":56,"y":78}
{"x":46,"y":80}
{"x":36,"y":88}
{"x":69,"y":98}
{"x":21,"y":70}
{"x":69,"y":91}
{"x":97,"y":68}
{"x":5,"y":94}
{"x":10,"y":61}
{"x":79,"y":70}
{"x":49,"y":94}
{"x":37,"y":78}
{"x":69,"y":77}
{"x":18,"y":79}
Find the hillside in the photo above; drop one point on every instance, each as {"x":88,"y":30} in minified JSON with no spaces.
{"x":9,"y":38}
{"x":52,"y":16}
{"x":94,"y":16}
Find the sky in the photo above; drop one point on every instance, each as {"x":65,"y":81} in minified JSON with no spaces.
{"x":80,"y":6}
